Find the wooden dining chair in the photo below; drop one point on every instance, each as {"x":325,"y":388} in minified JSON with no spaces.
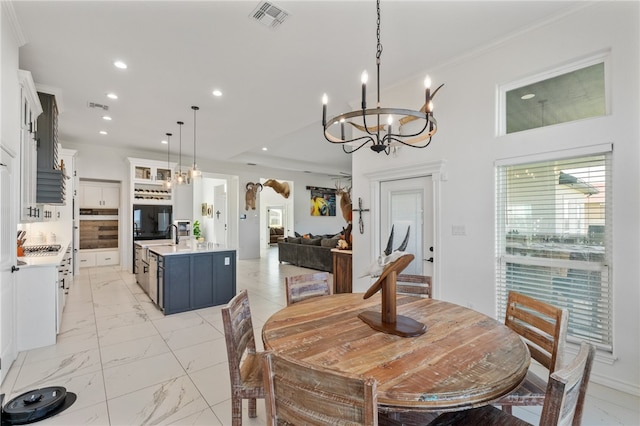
{"x":544,"y":329}
{"x":305,"y":286}
{"x":300,"y":394}
{"x":245,"y":368}
{"x":413,"y":285}
{"x":563,"y":403}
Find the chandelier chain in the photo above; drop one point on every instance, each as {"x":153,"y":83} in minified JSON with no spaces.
{"x":379,"y":46}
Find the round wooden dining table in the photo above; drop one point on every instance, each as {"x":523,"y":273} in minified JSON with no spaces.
{"x":465,"y":359}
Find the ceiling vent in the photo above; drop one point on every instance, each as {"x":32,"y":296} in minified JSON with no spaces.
{"x":269,"y":15}
{"x":98,"y":106}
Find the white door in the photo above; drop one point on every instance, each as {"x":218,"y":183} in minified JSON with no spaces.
{"x":408,"y":203}
{"x":8,"y":229}
{"x":220,"y":224}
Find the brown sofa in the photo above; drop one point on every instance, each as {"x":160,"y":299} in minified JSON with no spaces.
{"x":312,"y":253}
{"x":276,"y":234}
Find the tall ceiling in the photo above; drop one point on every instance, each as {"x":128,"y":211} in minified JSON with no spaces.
{"x":272,"y":80}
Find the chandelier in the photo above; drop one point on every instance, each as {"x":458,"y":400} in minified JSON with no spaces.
{"x":370,"y":123}
{"x":181,"y":178}
{"x":194,"y":172}
{"x":167,"y":183}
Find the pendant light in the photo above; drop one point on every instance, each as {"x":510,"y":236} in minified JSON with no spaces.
{"x":194,"y":172}
{"x":167,"y":183}
{"x":180,"y":178}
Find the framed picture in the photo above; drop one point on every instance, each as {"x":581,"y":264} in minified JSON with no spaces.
{"x":204,"y":209}
{"x":210,"y":210}
{"x":323,"y":201}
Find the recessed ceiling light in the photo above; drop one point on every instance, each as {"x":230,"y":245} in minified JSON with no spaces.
{"x":120,"y":64}
{"x":164,"y":142}
{"x":217,"y":93}
{"x":264,"y":148}
{"x":102,"y":132}
{"x":112,"y":96}
{"x":528,"y":96}
{"x":106,"y":117}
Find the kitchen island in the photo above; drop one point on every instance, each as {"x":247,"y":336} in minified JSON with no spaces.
{"x":185,"y":276}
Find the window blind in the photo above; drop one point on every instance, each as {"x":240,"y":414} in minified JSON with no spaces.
{"x":554,"y":237}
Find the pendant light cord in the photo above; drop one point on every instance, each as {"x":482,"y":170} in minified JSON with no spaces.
{"x":180,"y":123}
{"x":195,"y":109}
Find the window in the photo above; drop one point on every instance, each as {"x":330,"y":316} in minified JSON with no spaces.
{"x":553,"y":239}
{"x":571,"y":93}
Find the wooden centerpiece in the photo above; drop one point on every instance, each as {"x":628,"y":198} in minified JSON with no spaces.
{"x":387,"y":320}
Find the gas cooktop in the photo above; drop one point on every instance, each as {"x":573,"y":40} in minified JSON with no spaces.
{"x":42,"y":250}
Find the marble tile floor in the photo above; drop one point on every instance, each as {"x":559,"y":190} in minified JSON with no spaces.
{"x":131,"y":365}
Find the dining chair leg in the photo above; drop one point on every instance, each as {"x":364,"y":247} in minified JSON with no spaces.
{"x":252,"y":408}
{"x":236,"y":411}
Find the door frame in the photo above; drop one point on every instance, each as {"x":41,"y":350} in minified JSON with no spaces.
{"x":8,"y":227}
{"x":437,"y":171}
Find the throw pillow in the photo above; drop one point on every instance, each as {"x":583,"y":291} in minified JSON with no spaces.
{"x":329,"y":242}
{"x":311,"y":241}
{"x":294,"y":240}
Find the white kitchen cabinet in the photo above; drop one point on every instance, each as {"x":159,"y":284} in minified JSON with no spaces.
{"x":98,"y":257}
{"x":108,"y":257}
{"x":29,"y":111}
{"x":147,"y":179}
{"x":86,"y":258}
{"x":40,"y":302}
{"x":152,"y":172}
{"x":100,"y":195}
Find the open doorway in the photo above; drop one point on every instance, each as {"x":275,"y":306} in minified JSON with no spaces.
{"x":276,"y":215}
{"x":276,"y":219}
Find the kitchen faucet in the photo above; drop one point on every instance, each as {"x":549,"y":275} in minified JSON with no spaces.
{"x":177,"y":239}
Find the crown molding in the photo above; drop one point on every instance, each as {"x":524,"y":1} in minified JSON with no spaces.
{"x":16,"y":28}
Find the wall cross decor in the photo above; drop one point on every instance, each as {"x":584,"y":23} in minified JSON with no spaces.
{"x":360,"y":210}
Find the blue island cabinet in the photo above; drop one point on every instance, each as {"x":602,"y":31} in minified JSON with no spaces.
{"x":196,"y":280}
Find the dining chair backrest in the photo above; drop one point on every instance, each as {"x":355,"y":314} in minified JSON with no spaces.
{"x":303,"y":394}
{"x":245,"y":368}
{"x":563,"y":403}
{"x":566,"y":390}
{"x":542,"y":326}
{"x":305,"y":286}
{"x":413,"y":285}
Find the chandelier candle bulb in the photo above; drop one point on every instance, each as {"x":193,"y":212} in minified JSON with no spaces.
{"x":364,"y":79}
{"x":427,"y":89}
{"x":325,"y":99}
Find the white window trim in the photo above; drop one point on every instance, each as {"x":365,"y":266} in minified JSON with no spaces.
{"x":502,"y":89}
{"x":572,"y":348}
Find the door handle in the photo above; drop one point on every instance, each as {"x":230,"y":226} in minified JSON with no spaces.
{"x":431,"y":258}
{"x":14,"y":268}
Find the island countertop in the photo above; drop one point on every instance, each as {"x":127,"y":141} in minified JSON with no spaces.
{"x":186,"y":247}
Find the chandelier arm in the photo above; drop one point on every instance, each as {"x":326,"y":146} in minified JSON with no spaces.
{"x":329,"y":137}
{"x":414,"y":142}
{"x":354,"y":150}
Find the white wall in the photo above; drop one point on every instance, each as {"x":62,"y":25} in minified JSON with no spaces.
{"x":467,"y":142}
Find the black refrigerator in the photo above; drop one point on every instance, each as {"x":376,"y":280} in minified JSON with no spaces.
{"x":151,"y":222}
